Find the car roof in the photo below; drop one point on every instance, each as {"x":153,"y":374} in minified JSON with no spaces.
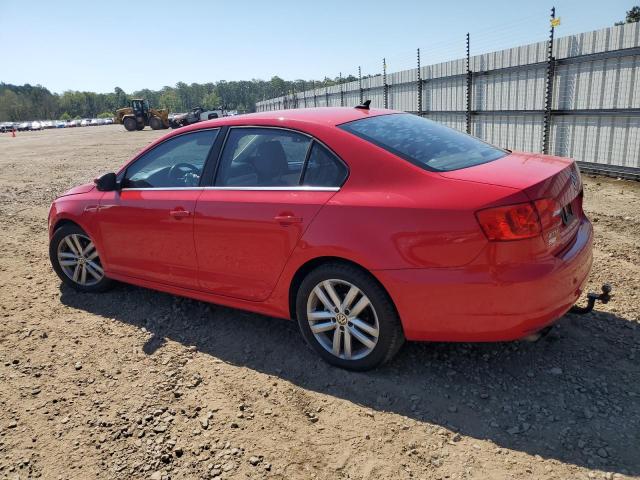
{"x":331,"y":116}
{"x":293,"y":118}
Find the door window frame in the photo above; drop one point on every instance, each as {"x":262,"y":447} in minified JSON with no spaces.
{"x":208,"y":167}
{"x":300,"y":187}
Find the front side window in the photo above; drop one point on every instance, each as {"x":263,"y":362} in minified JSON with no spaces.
{"x":262,"y":157}
{"x":178,"y":162}
{"x":423,"y":142}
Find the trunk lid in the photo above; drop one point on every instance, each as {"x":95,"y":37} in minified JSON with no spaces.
{"x":540,"y":177}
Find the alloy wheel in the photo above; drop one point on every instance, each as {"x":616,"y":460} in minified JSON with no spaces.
{"x":342,"y":319}
{"x":79,"y":260}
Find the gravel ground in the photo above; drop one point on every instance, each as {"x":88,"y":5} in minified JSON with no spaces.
{"x":139,"y":384}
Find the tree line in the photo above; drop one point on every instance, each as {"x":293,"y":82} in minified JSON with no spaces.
{"x":28,"y":102}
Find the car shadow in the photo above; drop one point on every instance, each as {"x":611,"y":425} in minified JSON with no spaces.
{"x":573,"y":396}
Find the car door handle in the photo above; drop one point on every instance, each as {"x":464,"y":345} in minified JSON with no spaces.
{"x":179,"y":213}
{"x":287,"y":219}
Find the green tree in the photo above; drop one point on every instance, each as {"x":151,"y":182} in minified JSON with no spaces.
{"x":169,"y":99}
{"x":211,"y":101}
{"x":29,"y":102}
{"x":65,"y":116}
{"x":105,"y":115}
{"x":633,"y":16}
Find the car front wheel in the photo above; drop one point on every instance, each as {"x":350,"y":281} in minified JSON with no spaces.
{"x":75,"y":259}
{"x":347,"y":317}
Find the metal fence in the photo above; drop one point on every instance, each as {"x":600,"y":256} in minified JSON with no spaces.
{"x":577,"y":96}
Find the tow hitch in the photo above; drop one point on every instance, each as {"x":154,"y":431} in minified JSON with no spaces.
{"x":592,"y":297}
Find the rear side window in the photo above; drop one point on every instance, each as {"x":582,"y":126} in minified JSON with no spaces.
{"x":423,"y":142}
{"x":323,"y":168}
{"x":262,"y":157}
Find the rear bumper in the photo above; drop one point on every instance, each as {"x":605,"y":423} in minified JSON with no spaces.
{"x":484,"y":302}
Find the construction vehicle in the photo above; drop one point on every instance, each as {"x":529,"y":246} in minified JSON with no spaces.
{"x":138,"y":115}
{"x":197,"y":114}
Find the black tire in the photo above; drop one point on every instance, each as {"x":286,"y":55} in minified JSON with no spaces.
{"x":54,"y":247}
{"x":390,"y":336}
{"x":130,"y":124}
{"x":155,"y":123}
{"x":140,"y":126}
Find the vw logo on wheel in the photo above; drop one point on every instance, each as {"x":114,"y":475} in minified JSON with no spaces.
{"x":341,"y":318}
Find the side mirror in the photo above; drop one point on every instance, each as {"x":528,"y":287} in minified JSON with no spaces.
{"x":107,"y":182}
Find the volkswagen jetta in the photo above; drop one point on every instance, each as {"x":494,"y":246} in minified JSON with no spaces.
{"x":367,"y":226}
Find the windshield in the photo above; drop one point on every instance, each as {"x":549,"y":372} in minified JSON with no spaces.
{"x":423,"y":142}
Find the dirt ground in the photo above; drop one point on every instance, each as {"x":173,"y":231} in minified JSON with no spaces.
{"x":139,"y":384}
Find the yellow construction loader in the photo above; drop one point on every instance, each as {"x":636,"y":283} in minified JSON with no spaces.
{"x":138,"y":115}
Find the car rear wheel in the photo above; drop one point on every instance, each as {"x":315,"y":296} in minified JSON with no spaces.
{"x":75,"y":259}
{"x":130,"y":124}
{"x":347,"y":317}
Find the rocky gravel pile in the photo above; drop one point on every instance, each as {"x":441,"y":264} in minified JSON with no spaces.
{"x":139,"y":384}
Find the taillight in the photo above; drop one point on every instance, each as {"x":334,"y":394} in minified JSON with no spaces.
{"x":550,"y":213}
{"x":512,"y":222}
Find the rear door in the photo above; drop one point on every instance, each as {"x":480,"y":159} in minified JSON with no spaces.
{"x":269,"y":186}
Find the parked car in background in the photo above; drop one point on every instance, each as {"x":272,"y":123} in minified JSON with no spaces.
{"x":367,"y":226}
{"x":94,"y":121}
{"x":47,"y":124}
{"x":24,"y":126}
{"x":36,"y":125}
{"x":108,"y":121}
{"x":85,"y":122}
{"x":7,"y":127}
{"x":196,"y":115}
{"x":60,"y":124}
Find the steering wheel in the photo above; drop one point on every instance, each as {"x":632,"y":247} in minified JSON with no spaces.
{"x":180,"y":171}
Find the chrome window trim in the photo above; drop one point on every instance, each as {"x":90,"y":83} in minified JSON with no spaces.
{"x":294,"y":188}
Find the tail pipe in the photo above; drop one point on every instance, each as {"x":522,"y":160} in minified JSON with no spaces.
{"x":592,"y":297}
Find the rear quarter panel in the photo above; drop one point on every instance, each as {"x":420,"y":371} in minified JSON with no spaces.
{"x":391,"y":214}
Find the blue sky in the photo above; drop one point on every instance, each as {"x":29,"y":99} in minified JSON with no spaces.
{"x":97,"y":46}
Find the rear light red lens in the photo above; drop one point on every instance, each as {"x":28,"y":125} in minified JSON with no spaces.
{"x":550,"y":213}
{"x":512,"y":222}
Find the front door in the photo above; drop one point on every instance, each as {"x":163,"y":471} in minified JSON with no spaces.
{"x":147,"y":227}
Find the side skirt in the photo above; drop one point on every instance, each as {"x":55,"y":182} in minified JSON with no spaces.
{"x":262,"y":308}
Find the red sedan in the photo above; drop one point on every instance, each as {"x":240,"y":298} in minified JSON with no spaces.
{"x":367,"y":226}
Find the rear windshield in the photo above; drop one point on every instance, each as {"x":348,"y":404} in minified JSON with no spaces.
{"x":426,"y":143}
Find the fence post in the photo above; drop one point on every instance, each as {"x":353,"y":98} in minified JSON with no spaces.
{"x":548,"y":96}
{"x":341,"y":91}
{"x":304,"y":93}
{"x":360,"y":85}
{"x":385,"y":89}
{"x":315,"y":99}
{"x":469,"y":85}
{"x":419,"y":85}
{"x":326,"y":94}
